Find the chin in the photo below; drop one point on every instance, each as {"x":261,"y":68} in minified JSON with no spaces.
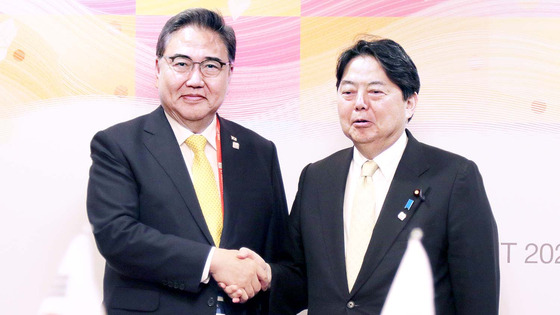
{"x":360,"y":137}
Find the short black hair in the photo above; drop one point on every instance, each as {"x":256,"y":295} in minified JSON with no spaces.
{"x":203,"y":18}
{"x":391,"y":56}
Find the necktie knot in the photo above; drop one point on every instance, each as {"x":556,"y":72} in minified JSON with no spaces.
{"x":196,"y":143}
{"x":369,"y":168}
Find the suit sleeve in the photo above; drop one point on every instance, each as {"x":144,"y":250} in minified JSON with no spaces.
{"x":279,"y":219}
{"x":289,"y":280}
{"x":473,"y":245}
{"x":130,"y":247}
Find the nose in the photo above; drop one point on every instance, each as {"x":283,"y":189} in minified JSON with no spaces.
{"x":195,"y":78}
{"x":361,"y":102}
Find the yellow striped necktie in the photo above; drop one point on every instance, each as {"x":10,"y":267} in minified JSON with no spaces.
{"x":206,"y":189}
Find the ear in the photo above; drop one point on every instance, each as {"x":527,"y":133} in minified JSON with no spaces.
{"x":230,"y":73}
{"x":158,"y":72}
{"x":410,"y":105}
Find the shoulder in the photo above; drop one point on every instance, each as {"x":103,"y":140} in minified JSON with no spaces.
{"x":442,"y":154}
{"x":343,"y":156}
{"x":131,"y":133}
{"x":132,"y":129}
{"x":422,"y":153}
{"x":134,"y":124}
{"x":331,"y":166}
{"x":422,"y":159}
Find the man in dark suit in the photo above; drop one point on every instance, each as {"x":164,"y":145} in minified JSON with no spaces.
{"x":165,"y":248}
{"x":414,"y":186}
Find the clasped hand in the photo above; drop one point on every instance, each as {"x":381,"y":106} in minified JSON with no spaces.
{"x":241,"y":274}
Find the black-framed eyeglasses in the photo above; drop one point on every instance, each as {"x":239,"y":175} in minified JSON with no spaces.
{"x":184,"y":64}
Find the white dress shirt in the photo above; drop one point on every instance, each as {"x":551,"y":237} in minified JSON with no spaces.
{"x":387,"y":161}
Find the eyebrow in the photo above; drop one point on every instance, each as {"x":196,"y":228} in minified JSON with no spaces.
{"x":370,"y":83}
{"x":188,"y":57}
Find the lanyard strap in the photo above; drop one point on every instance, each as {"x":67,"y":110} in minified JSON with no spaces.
{"x":219,"y":158}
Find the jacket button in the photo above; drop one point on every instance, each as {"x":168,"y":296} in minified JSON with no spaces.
{"x":211,"y":301}
{"x":350,"y":304}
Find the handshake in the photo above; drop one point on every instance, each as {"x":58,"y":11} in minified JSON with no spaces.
{"x":240,"y":273}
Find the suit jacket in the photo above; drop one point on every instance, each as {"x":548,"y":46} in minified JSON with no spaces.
{"x":148,"y":224}
{"x":460,"y":237}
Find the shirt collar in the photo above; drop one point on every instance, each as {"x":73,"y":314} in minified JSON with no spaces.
{"x":182,"y":133}
{"x":388,"y":160}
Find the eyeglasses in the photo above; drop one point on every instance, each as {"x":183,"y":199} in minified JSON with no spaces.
{"x":183,"y":64}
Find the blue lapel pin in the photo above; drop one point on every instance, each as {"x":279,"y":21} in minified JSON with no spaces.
{"x":408,"y":204}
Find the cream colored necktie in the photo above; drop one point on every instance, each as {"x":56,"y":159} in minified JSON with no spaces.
{"x":206,"y":188}
{"x":362,"y":221}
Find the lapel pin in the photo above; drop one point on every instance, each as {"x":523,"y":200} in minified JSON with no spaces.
{"x":401,"y":216}
{"x":235,"y":145}
{"x":418,"y":193}
{"x":408,"y":204}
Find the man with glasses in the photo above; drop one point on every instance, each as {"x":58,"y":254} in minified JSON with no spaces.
{"x":172,"y":193}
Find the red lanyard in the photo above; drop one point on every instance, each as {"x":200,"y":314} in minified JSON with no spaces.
{"x":219,"y":157}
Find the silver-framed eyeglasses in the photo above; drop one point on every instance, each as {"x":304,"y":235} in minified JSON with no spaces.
{"x":184,"y":65}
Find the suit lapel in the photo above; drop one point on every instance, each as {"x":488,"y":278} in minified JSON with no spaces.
{"x":391,"y":222}
{"x":332,"y":219}
{"x":161,"y":142}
